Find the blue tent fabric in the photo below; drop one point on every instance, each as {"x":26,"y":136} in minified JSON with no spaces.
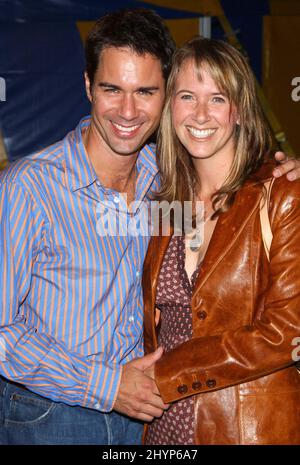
{"x":43,"y":65}
{"x":75,"y":10}
{"x":42,"y":61}
{"x":247,"y":19}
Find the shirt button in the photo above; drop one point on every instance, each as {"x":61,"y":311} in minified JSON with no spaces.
{"x":211,"y":383}
{"x":182,"y":389}
{"x":137,"y":274}
{"x":97,"y":406}
{"x":201,"y":315}
{"x":131,"y":318}
{"x":116,"y":199}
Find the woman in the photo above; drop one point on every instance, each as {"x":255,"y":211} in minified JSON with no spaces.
{"x":226,"y":316}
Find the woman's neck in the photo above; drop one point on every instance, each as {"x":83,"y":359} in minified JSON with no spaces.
{"x":211,"y":173}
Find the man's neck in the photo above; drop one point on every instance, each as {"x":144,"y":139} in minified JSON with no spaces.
{"x":114,"y":171}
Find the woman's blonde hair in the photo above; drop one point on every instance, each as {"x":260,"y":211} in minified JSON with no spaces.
{"x":233,"y":76}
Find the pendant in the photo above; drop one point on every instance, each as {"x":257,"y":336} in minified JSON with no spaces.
{"x":195,"y":243}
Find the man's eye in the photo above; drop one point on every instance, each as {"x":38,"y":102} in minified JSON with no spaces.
{"x":111,"y":90}
{"x":145,"y":92}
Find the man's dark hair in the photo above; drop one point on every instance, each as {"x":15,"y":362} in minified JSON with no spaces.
{"x":142,"y":30}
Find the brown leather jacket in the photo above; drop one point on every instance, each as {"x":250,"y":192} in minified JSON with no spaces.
{"x":246,"y":316}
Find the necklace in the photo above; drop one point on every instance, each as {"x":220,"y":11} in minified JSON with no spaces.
{"x":197,"y":239}
{"x":195,"y":242}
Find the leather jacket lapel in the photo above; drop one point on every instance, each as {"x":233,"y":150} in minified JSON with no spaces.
{"x":228,"y":228}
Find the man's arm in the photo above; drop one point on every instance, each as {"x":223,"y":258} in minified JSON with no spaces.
{"x":288,"y":166}
{"x":34,"y":357}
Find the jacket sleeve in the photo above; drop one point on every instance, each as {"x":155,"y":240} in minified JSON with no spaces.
{"x":27,"y":356}
{"x":265,"y":345}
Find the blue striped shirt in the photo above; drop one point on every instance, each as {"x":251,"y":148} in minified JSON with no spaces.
{"x":71,"y":302}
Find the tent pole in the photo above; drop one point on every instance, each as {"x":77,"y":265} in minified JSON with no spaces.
{"x":205,"y":26}
{"x":3,"y":154}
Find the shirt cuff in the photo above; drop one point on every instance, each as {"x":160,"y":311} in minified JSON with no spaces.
{"x":103,"y":386}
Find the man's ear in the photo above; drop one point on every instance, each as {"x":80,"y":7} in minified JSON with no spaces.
{"x":87,"y":86}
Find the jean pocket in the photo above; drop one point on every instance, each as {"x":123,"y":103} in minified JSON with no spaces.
{"x":26,"y":408}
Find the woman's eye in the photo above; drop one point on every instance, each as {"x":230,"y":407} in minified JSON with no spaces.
{"x":219,"y":100}
{"x":186,"y":97}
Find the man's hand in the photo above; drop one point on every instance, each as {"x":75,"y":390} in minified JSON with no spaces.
{"x":290,"y":167}
{"x":138,"y":395}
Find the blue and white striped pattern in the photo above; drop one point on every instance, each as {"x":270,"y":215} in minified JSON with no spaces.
{"x":71,"y":309}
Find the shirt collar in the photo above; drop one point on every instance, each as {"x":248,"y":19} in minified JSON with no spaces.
{"x":147,"y":159}
{"x":79,"y":168}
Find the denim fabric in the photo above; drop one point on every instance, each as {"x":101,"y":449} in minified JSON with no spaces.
{"x":27,"y":418}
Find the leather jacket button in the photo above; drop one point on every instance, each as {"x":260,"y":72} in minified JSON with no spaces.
{"x":182,"y":389}
{"x":211,"y":383}
{"x":196,"y":385}
{"x":201,"y":315}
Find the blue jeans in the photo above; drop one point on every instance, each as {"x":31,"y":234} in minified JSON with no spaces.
{"x":27,"y":418}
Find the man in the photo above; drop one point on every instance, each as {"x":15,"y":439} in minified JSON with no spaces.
{"x":71,"y":305}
